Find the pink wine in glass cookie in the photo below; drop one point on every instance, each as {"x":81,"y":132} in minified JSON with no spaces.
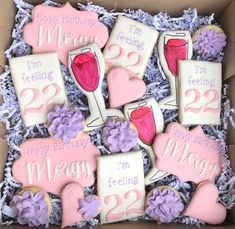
{"x":148,"y":120}
{"x":175,"y":49}
{"x":172,"y":47}
{"x":143,"y":120}
{"x":85,"y":69}
{"x":87,"y":66}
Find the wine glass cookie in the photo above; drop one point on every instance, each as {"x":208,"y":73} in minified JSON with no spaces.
{"x":148,"y":119}
{"x":65,"y":123}
{"x":173,"y":46}
{"x":87,"y":67}
{"x":164,"y":204}
{"x":32,"y":206}
{"x":119,"y":135}
{"x":209,"y":41}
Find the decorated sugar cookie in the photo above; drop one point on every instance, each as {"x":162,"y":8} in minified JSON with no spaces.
{"x":86,"y":65}
{"x":123,"y":87}
{"x":204,"y":205}
{"x":39,"y":85}
{"x":119,"y":135}
{"x":50,"y":164}
{"x":71,"y":194}
{"x":148,"y":120}
{"x":65,"y":123}
{"x":200,"y":85}
{"x":209,"y":41}
{"x":173,"y":46}
{"x":164,"y":204}
{"x":189,"y":155}
{"x":76,"y":207}
{"x":121,"y":186}
{"x":130,"y":46}
{"x":32,"y":206}
{"x":63,"y":29}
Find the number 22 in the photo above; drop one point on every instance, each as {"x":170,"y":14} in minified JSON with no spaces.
{"x":119,"y":200}
{"x":36,"y":95}
{"x":197,"y":97}
{"x":121,"y":53}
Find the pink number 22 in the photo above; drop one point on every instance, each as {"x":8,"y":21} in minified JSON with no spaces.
{"x":118,"y":202}
{"x":36,"y":96}
{"x":197,"y":97}
{"x":135,"y":57}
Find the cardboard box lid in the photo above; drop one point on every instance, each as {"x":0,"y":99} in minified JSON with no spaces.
{"x":154,"y":6}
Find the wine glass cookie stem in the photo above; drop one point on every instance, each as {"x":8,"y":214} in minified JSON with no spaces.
{"x":97,"y":111}
{"x":154,"y":174}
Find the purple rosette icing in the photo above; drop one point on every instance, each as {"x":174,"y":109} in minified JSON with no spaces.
{"x":30,"y":209}
{"x":164,"y":205}
{"x":65,"y":122}
{"x":209,"y":43}
{"x":119,"y":136}
{"x":89,"y":207}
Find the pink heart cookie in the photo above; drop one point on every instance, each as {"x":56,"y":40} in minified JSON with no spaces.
{"x":204,"y":206}
{"x":70,"y":195}
{"x":124,"y":88}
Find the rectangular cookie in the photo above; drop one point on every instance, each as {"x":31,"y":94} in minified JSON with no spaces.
{"x":121,"y":186}
{"x":39,"y":85}
{"x":200,"y":85}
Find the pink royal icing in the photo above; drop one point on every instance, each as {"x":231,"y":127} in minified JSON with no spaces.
{"x":50,"y":164}
{"x":175,"y":49}
{"x":63,"y":29}
{"x":143,"y":120}
{"x":130,"y":209}
{"x":123,"y":88}
{"x":70,"y":196}
{"x":85,"y":70}
{"x":190,"y":155}
{"x":204,"y":206}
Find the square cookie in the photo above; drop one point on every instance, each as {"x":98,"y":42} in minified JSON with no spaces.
{"x":121,"y":186}
{"x":39,"y":85}
{"x":130,"y":46}
{"x":200,"y":85}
